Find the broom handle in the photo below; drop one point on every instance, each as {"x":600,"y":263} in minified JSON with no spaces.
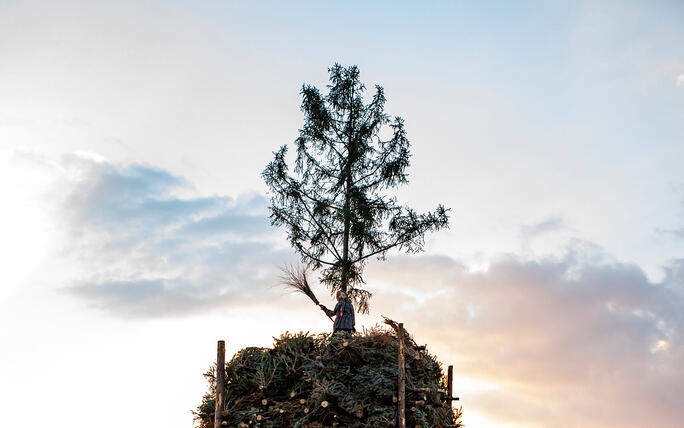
{"x":331,"y":318}
{"x":315,"y":300}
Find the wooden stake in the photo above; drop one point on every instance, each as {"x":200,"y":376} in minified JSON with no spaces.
{"x":220,"y":381}
{"x":450,"y":385}
{"x":450,"y":380}
{"x":402,"y":380}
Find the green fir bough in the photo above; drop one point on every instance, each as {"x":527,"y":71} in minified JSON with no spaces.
{"x":329,"y":381}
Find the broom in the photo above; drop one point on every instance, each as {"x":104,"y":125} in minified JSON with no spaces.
{"x":295,"y":279}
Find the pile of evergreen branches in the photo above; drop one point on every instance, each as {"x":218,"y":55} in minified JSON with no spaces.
{"x":340,"y":380}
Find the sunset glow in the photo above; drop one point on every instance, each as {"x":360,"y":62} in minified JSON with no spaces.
{"x":135,"y":231}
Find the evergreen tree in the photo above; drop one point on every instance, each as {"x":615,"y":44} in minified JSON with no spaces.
{"x":333,"y":207}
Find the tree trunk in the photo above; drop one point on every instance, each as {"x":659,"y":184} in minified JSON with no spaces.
{"x":347,"y":221}
{"x":345,"y":250}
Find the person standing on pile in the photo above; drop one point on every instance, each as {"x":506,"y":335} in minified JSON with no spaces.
{"x":344,"y":313}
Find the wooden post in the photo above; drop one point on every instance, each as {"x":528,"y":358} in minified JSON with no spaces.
{"x":401,"y":401}
{"x":450,"y":386}
{"x":450,"y":383}
{"x":220,"y":381}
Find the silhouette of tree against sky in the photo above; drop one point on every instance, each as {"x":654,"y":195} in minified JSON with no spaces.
{"x":335,"y":205}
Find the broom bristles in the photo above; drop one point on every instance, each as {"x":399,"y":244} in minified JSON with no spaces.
{"x":296,"y":280}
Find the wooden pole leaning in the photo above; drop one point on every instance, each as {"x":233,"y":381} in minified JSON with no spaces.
{"x":401,"y":401}
{"x":220,"y":381}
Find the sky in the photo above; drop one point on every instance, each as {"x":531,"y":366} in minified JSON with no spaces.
{"x":135,"y":226}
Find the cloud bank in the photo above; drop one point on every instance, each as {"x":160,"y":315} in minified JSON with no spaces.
{"x":150,"y":253}
{"x":569,"y":341}
{"x":572,"y":340}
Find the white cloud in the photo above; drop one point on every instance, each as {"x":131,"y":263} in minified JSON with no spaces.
{"x":680,"y":80}
{"x":147,"y":253}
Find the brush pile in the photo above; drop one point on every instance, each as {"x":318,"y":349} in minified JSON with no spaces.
{"x":340,"y":380}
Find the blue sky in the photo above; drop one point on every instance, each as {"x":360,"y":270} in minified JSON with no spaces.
{"x":133,"y":135}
